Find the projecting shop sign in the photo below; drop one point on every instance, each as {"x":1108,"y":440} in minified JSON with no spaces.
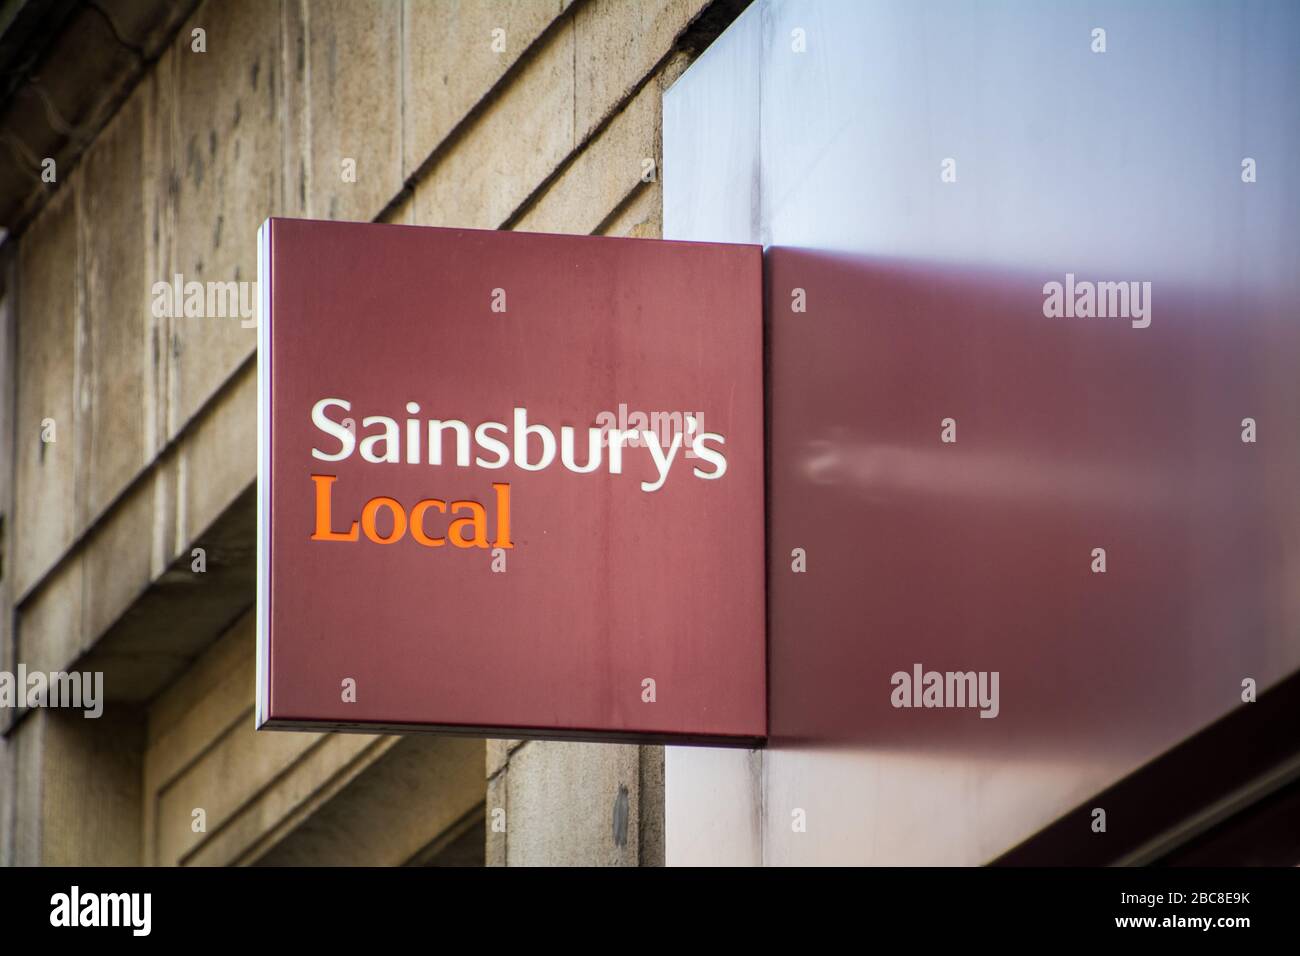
{"x":510,"y":484}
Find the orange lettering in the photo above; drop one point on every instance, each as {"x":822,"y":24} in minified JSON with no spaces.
{"x":503,"y":516}
{"x":478,"y":521}
{"x":323,"y":524}
{"x":368,"y":520}
{"x":465,"y":532}
{"x":417,"y":522}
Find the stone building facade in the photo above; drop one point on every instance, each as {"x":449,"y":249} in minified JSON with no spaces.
{"x":129,"y":437}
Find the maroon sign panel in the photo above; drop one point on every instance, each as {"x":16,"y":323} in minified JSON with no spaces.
{"x":510,"y":484}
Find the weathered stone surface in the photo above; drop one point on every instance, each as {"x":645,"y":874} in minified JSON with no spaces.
{"x":45,"y":507}
{"x":506,"y":152}
{"x":117,"y":563}
{"x":200,"y":706}
{"x":650,"y":790}
{"x":602,"y":175}
{"x":617,"y":46}
{"x":88,"y":764}
{"x":27,"y":741}
{"x":50,"y":632}
{"x":352,"y":87}
{"x":419,"y":788}
{"x":291,"y":798}
{"x":121,"y":354}
{"x":639,"y":217}
{"x":451,"y":63}
{"x":225,"y":782}
{"x":217,"y":460}
{"x":227,"y":142}
{"x":180,"y":614}
{"x":160,"y":183}
{"x":561,"y":804}
{"x":8,"y":820}
{"x":498,"y":753}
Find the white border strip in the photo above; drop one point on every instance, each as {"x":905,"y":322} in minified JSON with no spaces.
{"x":263,"y":469}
